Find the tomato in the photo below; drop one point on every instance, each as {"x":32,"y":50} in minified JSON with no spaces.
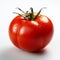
{"x":31,"y":34}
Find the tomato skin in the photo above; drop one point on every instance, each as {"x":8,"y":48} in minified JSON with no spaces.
{"x":31,"y":35}
{"x":13,"y":30}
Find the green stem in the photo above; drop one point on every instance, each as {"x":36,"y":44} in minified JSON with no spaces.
{"x":32,"y":13}
{"x":39,"y":12}
{"x":17,"y":13}
{"x":20,"y":10}
{"x":29,"y":15}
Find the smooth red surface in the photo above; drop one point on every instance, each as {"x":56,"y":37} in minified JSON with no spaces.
{"x":31,"y":36}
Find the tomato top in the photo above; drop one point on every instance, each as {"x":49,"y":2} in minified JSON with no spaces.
{"x":29,"y":15}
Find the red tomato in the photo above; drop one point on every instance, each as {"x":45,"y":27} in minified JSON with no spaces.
{"x":31,"y":34}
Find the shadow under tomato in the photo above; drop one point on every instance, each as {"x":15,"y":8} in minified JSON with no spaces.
{"x":41,"y":52}
{"x":18,"y":54}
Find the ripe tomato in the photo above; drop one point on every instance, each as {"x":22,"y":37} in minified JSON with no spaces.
{"x":31,"y":32}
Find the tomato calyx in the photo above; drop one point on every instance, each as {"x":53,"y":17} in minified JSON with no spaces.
{"x":29,"y":15}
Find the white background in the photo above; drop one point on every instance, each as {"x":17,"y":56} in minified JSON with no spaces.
{"x":8,"y":50}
